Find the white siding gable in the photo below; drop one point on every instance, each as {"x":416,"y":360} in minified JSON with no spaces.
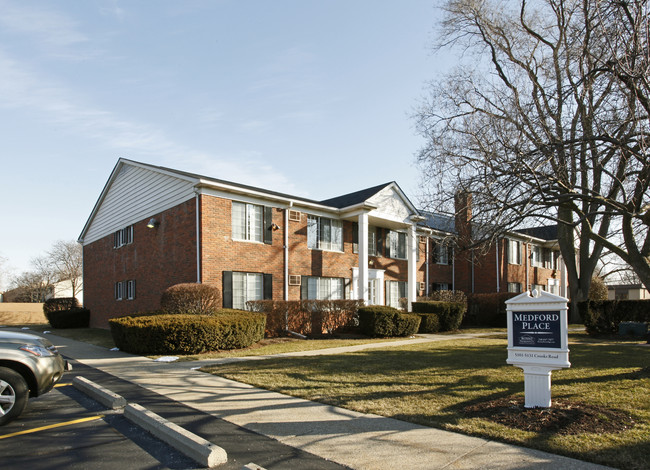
{"x":133,"y":195}
{"x":390,"y":205}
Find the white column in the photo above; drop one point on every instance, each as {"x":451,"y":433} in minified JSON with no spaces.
{"x":362,"y":284}
{"x":412,"y":266}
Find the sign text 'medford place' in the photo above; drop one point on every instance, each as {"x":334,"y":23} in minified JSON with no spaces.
{"x":536,"y":329}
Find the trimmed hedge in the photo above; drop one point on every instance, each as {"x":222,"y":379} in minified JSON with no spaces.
{"x":449,"y":315}
{"x":307,"y":317}
{"x":604,"y":316}
{"x":387,"y":321}
{"x":61,"y":303}
{"x":191,"y":299}
{"x":77,"y":317}
{"x":187,"y":334}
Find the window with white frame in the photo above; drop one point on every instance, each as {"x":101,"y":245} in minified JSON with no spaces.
{"x":440,"y":286}
{"x":125,"y":290}
{"x":130,"y":289}
{"x":372,"y":240}
{"x":514,"y":287}
{"x":247,"y":220}
{"x":245,"y":287}
{"x":397,"y":243}
{"x":537,"y":256}
{"x":325,"y":288}
{"x":123,"y":237}
{"x":395,"y":290}
{"x":441,"y":253}
{"x":324,"y":234}
{"x":119,"y":291}
{"x":514,"y":252}
{"x":554,"y":286}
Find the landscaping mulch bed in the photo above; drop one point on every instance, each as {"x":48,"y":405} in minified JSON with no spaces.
{"x":563,"y":417}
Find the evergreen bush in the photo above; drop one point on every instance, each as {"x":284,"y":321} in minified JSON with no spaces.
{"x":449,"y":315}
{"x":604,"y":316}
{"x":190,"y":299}
{"x":187,"y":334}
{"x":76,"y":317}
{"x":61,"y":303}
{"x":378,"y":320}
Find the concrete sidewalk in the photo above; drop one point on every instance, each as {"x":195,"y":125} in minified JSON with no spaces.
{"x":356,"y":440}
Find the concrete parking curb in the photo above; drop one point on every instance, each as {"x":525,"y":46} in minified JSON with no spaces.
{"x":193,"y":446}
{"x":98,"y":393}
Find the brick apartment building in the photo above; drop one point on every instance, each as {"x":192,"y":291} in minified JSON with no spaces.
{"x":153,"y":227}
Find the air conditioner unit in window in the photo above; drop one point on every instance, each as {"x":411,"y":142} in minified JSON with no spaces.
{"x":294,"y":216}
{"x":294,"y":280}
{"x":421,"y":285}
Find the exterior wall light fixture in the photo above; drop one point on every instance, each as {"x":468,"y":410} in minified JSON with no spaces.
{"x":153,"y":223}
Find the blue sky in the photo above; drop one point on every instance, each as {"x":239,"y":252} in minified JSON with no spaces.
{"x":311,"y":98}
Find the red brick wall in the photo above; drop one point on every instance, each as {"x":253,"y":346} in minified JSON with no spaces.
{"x":157,"y":258}
{"x":220,"y":253}
{"x":485,"y":271}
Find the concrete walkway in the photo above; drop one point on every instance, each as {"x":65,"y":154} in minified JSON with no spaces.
{"x":356,"y":440}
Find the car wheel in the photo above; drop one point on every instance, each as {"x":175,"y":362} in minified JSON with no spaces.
{"x":13,"y":395}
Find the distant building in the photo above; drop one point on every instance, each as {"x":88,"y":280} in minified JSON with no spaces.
{"x":627,"y":292}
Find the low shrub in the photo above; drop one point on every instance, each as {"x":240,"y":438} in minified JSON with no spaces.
{"x":61,"y":303}
{"x":387,"y":321}
{"x":445,"y":296}
{"x":187,"y":334}
{"x":604,"y":316}
{"x":190,"y":299}
{"x":450,"y":314}
{"x":429,"y":323}
{"x":76,"y":317}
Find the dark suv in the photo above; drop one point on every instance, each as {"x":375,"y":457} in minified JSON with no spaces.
{"x":29,"y":366}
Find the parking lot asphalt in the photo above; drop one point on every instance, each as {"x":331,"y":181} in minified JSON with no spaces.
{"x":67,"y":429}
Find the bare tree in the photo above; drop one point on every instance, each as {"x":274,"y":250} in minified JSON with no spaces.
{"x":66,"y":262}
{"x":534,"y":126}
{"x":3,"y":270}
{"x":32,"y":286}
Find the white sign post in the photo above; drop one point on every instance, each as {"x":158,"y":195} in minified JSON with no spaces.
{"x":538,"y":342}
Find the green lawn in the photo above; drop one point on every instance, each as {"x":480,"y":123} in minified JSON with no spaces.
{"x":433,"y":383}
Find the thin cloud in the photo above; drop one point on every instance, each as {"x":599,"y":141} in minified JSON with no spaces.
{"x":47,"y":27}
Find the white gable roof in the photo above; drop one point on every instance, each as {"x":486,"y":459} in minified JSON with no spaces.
{"x":132,"y":193}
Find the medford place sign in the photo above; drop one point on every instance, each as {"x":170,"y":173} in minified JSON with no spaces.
{"x":538,"y":342}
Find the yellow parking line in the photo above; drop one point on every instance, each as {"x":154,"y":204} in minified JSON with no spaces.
{"x":52,"y":426}
{"x":61,"y":385}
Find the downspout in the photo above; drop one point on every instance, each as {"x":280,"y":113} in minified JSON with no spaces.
{"x":198,"y":240}
{"x":286,"y":252}
{"x":453,"y":268}
{"x":426,"y":269}
{"x":286,"y":272}
{"x":498,"y":275}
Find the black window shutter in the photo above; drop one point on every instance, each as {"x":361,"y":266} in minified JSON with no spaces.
{"x":355,"y":237}
{"x":304,"y":287}
{"x":268,"y":286}
{"x":227,"y":289}
{"x":268,"y":223}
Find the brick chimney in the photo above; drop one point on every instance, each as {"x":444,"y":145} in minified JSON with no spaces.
{"x":463,"y":217}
